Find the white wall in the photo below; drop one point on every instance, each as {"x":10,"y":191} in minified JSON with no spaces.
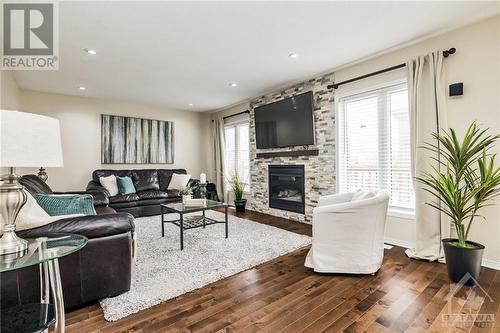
{"x":9,"y":91}
{"x":81,"y":133}
{"x":477,"y":64}
{"x":9,"y":97}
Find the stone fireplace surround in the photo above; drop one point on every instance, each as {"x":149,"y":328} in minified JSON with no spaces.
{"x":319,"y":170}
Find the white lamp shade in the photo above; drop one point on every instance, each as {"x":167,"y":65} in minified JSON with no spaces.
{"x":29,"y":140}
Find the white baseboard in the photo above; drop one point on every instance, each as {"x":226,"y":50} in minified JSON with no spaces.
{"x":491,"y":264}
{"x":486,"y":262}
{"x":398,"y":242}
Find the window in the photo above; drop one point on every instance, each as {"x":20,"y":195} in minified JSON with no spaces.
{"x":237,"y":154}
{"x":374,"y":144}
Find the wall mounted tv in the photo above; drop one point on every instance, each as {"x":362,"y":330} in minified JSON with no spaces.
{"x":289,"y":122}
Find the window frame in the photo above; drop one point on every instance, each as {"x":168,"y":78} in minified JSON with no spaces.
{"x":399,"y":212}
{"x":235,"y":125}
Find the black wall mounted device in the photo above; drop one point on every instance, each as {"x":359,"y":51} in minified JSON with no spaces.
{"x":457,"y":89}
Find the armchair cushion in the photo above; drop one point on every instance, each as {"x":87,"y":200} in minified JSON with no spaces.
{"x":334,"y":199}
{"x":361,"y":195}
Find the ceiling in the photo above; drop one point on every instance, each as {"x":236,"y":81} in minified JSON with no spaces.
{"x":174,"y":54}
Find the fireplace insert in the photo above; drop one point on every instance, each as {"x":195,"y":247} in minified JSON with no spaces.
{"x":286,"y":187}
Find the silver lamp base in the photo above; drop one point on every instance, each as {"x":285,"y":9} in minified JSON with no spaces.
{"x":12,"y":199}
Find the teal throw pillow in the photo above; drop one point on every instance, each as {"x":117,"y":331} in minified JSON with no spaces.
{"x":125,"y":185}
{"x":65,"y":204}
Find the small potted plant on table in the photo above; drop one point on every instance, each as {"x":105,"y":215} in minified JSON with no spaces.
{"x":186,"y":193}
{"x":466,"y":181}
{"x":238,"y":186}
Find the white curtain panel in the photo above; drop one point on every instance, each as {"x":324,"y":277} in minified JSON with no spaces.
{"x":426,"y":93}
{"x":218,"y":147}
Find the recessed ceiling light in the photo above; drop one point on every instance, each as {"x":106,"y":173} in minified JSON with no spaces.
{"x":82,"y":88}
{"x":233,"y":84}
{"x":90,"y":51}
{"x":190,"y":104}
{"x":292,"y":55}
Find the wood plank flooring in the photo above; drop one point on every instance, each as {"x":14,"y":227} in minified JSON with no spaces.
{"x":283,"y":296}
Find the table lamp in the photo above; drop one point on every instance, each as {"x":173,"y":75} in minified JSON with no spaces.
{"x":26,"y":140}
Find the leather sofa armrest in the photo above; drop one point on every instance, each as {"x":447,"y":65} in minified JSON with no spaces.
{"x":91,"y":226}
{"x":93,"y":186}
{"x":100,"y":198}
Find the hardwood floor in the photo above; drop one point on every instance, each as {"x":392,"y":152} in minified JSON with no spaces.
{"x":283,"y":296}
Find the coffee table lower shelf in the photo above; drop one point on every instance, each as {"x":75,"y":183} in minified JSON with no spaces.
{"x":191,"y":221}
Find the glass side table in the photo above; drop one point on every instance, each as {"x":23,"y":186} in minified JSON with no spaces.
{"x":45,"y":252}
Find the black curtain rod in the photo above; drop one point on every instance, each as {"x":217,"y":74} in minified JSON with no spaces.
{"x":446,"y":53}
{"x":236,"y":114}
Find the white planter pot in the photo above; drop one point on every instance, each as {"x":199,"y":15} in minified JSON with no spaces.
{"x":186,"y":197}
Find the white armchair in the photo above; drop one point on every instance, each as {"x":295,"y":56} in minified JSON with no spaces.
{"x":348,"y":233}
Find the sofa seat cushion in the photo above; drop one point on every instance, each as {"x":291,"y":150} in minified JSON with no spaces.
{"x":145,"y":180}
{"x":119,"y":205}
{"x":152,"y":194}
{"x":173,"y":193}
{"x":100,"y":210}
{"x":124,"y":198}
{"x":154,"y":202}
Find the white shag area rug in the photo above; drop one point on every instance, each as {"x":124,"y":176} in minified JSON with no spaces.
{"x":161,"y":271}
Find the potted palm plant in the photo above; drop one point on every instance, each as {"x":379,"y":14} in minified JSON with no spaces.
{"x":237,"y":186}
{"x":466,"y":181}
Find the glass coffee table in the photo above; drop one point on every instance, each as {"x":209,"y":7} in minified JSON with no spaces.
{"x":44,"y":252}
{"x":191,"y":221}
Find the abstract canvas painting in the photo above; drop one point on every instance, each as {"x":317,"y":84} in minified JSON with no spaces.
{"x":127,"y":140}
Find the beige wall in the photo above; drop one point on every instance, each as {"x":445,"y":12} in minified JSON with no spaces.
{"x":9,"y":91}
{"x":476,"y":64}
{"x":81,"y":132}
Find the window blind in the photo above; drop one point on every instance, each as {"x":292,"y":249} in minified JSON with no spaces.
{"x":374,"y":144}
{"x":237,"y":151}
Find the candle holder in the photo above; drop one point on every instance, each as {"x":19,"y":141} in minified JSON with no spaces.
{"x":203,"y":190}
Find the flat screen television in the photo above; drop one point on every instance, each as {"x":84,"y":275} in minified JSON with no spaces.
{"x":289,"y":122}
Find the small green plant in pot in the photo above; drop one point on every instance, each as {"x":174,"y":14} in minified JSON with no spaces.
{"x":466,"y":181}
{"x":186,"y":193}
{"x":237,"y":186}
